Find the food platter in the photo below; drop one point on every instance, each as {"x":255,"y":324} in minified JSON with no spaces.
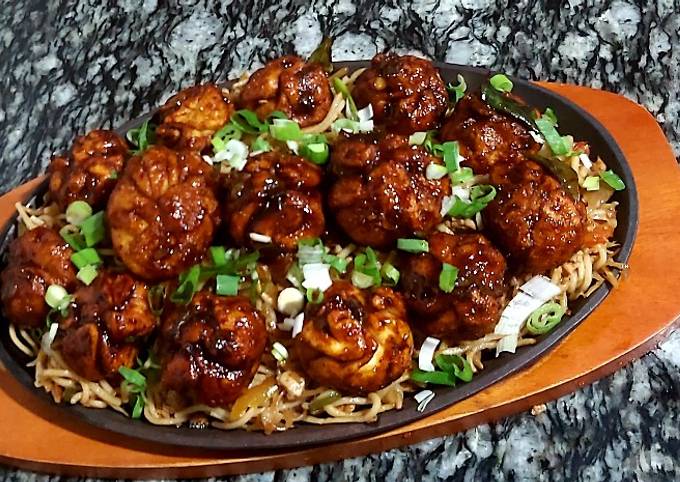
{"x":573,"y":120}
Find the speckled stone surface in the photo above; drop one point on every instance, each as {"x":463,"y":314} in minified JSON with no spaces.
{"x":69,"y":67}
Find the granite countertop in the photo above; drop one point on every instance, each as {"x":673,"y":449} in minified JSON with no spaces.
{"x":67,"y":68}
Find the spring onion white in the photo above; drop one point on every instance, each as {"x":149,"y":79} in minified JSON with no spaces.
{"x":290,"y":301}
{"x":279,"y":352}
{"x":435,"y":171}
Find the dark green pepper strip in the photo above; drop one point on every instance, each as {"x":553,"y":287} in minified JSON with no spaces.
{"x":564,"y":173}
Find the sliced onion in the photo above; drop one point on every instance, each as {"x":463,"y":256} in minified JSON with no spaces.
{"x":316,"y":276}
{"x":298,"y":323}
{"x":427,"y":354}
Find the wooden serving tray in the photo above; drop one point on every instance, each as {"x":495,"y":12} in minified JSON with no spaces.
{"x":630,"y":321}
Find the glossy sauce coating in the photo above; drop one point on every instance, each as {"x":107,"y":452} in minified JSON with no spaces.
{"x":533,"y":219}
{"x":486,"y":136}
{"x":37,"y":259}
{"x":276,"y":195}
{"x":288,"y":84}
{"x":406,"y":92}
{"x":382,"y":192}
{"x":105,"y":326}
{"x":357,"y":341}
{"x":89,"y":173}
{"x":211,"y":348}
{"x":189,"y":119}
{"x":163,"y":212}
{"x":474,"y":306}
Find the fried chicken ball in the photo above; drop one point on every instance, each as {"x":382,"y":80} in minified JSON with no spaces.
{"x":383,"y":193}
{"x":276,"y":195}
{"x":533,"y":219}
{"x":211,"y":348}
{"x":163,"y":212}
{"x":406,"y":93}
{"x":288,"y":84}
{"x":106,"y":323}
{"x":357,"y":341}
{"x":189,"y":119}
{"x":486,"y":136}
{"x":89,"y":173}
{"x":37,"y":259}
{"x":474,"y":306}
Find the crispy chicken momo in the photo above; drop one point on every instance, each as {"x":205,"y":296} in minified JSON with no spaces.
{"x":163,"y":212}
{"x":474,"y":306}
{"x":189,"y":119}
{"x":37,"y":259}
{"x":300,"y":90}
{"x":105,"y":325}
{"x":276,"y":195}
{"x":383,"y":192}
{"x":407,"y":93}
{"x":485,"y":136}
{"x":211,"y":348}
{"x":533,"y":218}
{"x":356,"y":341}
{"x":89,"y":172}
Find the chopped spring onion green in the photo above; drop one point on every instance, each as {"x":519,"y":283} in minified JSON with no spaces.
{"x":218,"y":255}
{"x":448,"y":277}
{"x":413,"y":245}
{"x":75,"y":240}
{"x":93,"y":229}
{"x":591,"y":183}
{"x":549,"y":114}
{"x":417,"y":138}
{"x":545,"y":318}
{"x":361,"y":280}
{"x":317,"y":153}
{"x":279,"y":352}
{"x":85,"y":257}
{"x":133,"y":377}
{"x":552,"y":137}
{"x":456,"y":365}
{"x":501,"y":83}
{"x":435,"y":171}
{"x":462,"y":175}
{"x":390,"y":274}
{"x":436,"y":377}
{"x":224,"y":135}
{"x":314,"y":296}
{"x":87,"y":274}
{"x":285,"y":130}
{"x":337,"y":263}
{"x":188,"y":285}
{"x":77,"y":212}
{"x":134,"y":383}
{"x":113,"y":175}
{"x":613,"y":179}
{"x":260,"y":145}
{"x":322,"y":400}
{"x":226,"y":285}
{"x":480,"y":196}
{"x":367,"y":263}
{"x":142,"y":137}
{"x":246,"y":120}
{"x":341,"y":88}
{"x":457,"y":91}
{"x":451,"y":155}
{"x":57,"y":297}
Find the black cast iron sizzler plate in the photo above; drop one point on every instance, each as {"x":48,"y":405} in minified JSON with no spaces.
{"x":573,"y":120}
